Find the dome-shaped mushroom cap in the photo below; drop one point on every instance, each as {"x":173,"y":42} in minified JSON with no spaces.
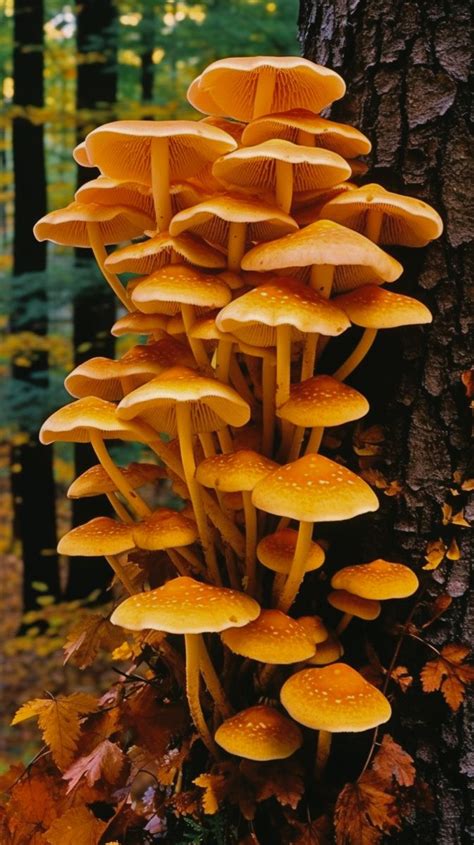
{"x":68,"y":226}
{"x":340,"y":138}
{"x":276,"y":552}
{"x":355,"y":605}
{"x":323,"y":401}
{"x":138,"y":323}
{"x":95,"y":481}
{"x":234,"y":472}
{"x":167,"y":288}
{"x":186,"y":606}
{"x":314,"y":489}
{"x":314,"y":627}
{"x":376,"y":308}
{"x":99,"y":536}
{"x":379,"y":579}
{"x":72,"y":423}
{"x":335,"y":698}
{"x":272,"y":638}
{"x":328,"y":650}
{"x":259,"y":733}
{"x":147,"y":256}
{"x":164,"y":529}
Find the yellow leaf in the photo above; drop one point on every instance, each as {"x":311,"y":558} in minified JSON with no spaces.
{"x":435,"y":552}
{"x":453,"y":552}
{"x":76,"y":827}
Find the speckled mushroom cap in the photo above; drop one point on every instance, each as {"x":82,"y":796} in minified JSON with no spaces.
{"x":213,"y":404}
{"x":328,"y":651}
{"x":345,"y":140}
{"x":357,"y":260}
{"x":376,"y":308}
{"x":253,"y":317}
{"x":335,"y":698}
{"x":314,"y":489}
{"x":314,"y":627}
{"x":166,"y":289}
{"x":99,"y":536}
{"x":95,"y":481}
{"x":379,"y":579}
{"x":323,"y":401}
{"x":276,"y":552}
{"x":72,"y":423}
{"x":107,"y":191}
{"x":186,"y":606}
{"x":272,"y":638}
{"x":164,"y":529}
{"x":229,"y":86}
{"x":147,"y":256}
{"x":138,"y":323}
{"x":235,"y":471}
{"x":406,"y":220}
{"x":259,"y":733}
{"x":355,"y":605}
{"x":68,"y":226}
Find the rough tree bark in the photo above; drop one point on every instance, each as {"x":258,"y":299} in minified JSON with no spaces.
{"x":406,"y":68}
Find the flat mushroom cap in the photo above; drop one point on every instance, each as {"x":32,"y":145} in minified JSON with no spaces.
{"x":95,"y":481}
{"x":335,"y":698}
{"x":68,"y":226}
{"x":272,"y":638}
{"x":276,"y":552}
{"x":179,"y":283}
{"x":72,"y":423}
{"x":231,"y":84}
{"x":315,"y":628}
{"x":314,"y":489}
{"x":345,"y":140}
{"x":234,"y":472}
{"x":107,"y":191}
{"x":164,"y":529}
{"x":357,"y":260}
{"x":138,"y":323}
{"x":355,"y":605}
{"x":147,"y":256}
{"x":377,"y":580}
{"x":122,"y":149}
{"x":329,"y":650}
{"x":259,"y":733}
{"x":376,"y":308}
{"x":186,"y":606}
{"x":99,"y":536}
{"x":406,"y":221}
{"x":323,"y":401}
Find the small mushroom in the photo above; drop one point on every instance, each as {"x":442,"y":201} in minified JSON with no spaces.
{"x":259,"y":733}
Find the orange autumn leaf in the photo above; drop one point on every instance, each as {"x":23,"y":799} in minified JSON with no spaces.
{"x":449,"y":674}
{"x":439,"y":606}
{"x":435,"y":552}
{"x":90,"y":635}
{"x":283,"y":781}
{"x":391,"y":761}
{"x":317,"y":832}
{"x":32,"y":809}
{"x":106,"y":761}
{"x":453,"y":552}
{"x":363,"y":811}
{"x":76,"y":827}
{"x":402,"y":677}
{"x":215,"y":787}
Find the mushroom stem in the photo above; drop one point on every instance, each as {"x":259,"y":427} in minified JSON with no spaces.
{"x":212,"y":681}
{"x":374,"y":224}
{"x":193,"y":655}
{"x":131,"y":496}
{"x":100,"y":254}
{"x":268,"y":422}
{"x":284,"y":185}
{"x":357,"y":355}
{"x":314,"y":441}
{"x":236,"y":245}
{"x":224,"y":357}
{"x":305,"y":139}
{"x":321,"y":280}
{"x":295,"y":447}
{"x":117,"y":567}
{"x":322,"y":752}
{"x":160,"y":182}
{"x":225,"y":440}
{"x":283,"y":345}
{"x":309,"y":355}
{"x":250,"y":540}
{"x":197,"y":346}
{"x":238,"y":381}
{"x":226,"y":527}
{"x":207,"y":443}
{"x":344,"y":622}
{"x":264,"y":92}
{"x":298,"y":566}
{"x":192,"y":559}
{"x":178,"y":564}
{"x":119,"y":509}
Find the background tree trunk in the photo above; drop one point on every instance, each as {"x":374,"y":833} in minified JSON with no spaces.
{"x":406,"y":69}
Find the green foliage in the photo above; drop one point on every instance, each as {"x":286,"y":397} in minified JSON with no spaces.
{"x":211,"y":830}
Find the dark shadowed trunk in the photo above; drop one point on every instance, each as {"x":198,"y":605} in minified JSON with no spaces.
{"x":406,"y":68}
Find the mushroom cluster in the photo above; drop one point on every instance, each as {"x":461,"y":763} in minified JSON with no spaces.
{"x":252,"y":248}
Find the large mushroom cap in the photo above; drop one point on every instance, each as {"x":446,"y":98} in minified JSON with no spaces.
{"x":167,"y":288}
{"x":107,"y":191}
{"x":95,"y":481}
{"x":276,"y":552}
{"x":72,"y":423}
{"x":186,"y":606}
{"x":69,"y":226}
{"x":323,"y":401}
{"x":259,"y":733}
{"x":272,"y":638}
{"x":335,"y":698}
{"x":376,"y":308}
{"x":345,"y":140}
{"x":379,"y":580}
{"x":99,"y":536}
{"x":165,"y":529}
{"x":147,"y":256}
{"x":234,"y":472}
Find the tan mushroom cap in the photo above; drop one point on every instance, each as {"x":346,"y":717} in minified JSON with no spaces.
{"x":314,"y":627}
{"x":187,"y":192}
{"x":122,"y":149}
{"x":376,"y":308}
{"x":95,"y":481}
{"x":272,"y":638}
{"x":186,"y":606}
{"x":165,"y":529}
{"x":211,"y":219}
{"x":357,"y":260}
{"x":259,"y":733}
{"x":253,"y":317}
{"x":379,"y":580}
{"x":99,"y":536}
{"x":231,"y":84}
{"x":251,"y":168}
{"x":335,"y":698}
{"x":309,"y":201}
{"x":107,"y":191}
{"x":205,"y":328}
{"x":72,"y":423}
{"x":234,"y":128}
{"x":341,"y":138}
{"x":166,"y":289}
{"x":276,"y":552}
{"x":323,"y":401}
{"x":213,"y":403}
{"x":234,"y":472}
{"x":138,"y":323}
{"x":314,"y":489}
{"x":406,"y":221}
{"x":355,"y":605}
{"x":147,"y":256}
{"x":328,"y":651}
{"x":80,"y":156}
{"x":68,"y":226}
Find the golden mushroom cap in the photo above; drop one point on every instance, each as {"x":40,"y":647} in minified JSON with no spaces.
{"x":315,"y":628}
{"x":80,"y":156}
{"x":379,"y":580}
{"x":276,"y":552}
{"x":234,"y":472}
{"x":335,"y":698}
{"x":72,"y":423}
{"x":355,"y":605}
{"x":232,"y":127}
{"x":107,"y":191}
{"x":376,"y":308}
{"x":328,"y":650}
{"x":178,"y":284}
{"x":164,"y":529}
{"x":138,"y":323}
{"x":259,"y":733}
{"x":99,"y":536}
{"x":340,"y":138}
{"x":69,"y":226}
{"x":147,"y":256}
{"x":323,"y":401}
{"x":272,"y":638}
{"x":95,"y":481}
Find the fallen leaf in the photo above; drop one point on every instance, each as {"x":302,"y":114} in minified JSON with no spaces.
{"x":363,"y":811}
{"x":317,"y":832}
{"x":402,"y":677}
{"x":76,"y":827}
{"x":439,"y":606}
{"x":453,"y":552}
{"x":449,"y":674}
{"x":435,"y":552}
{"x":105,"y":762}
{"x":33,"y":806}
{"x":282,"y":780}
{"x":391,"y":761}
{"x":90,"y":635}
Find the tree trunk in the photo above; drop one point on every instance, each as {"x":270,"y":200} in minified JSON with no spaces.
{"x":32,"y":483}
{"x":406,"y":69}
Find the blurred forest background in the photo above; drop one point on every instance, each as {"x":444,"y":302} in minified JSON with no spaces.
{"x":63,"y":71}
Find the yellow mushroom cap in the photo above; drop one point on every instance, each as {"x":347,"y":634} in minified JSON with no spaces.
{"x":323,"y":401}
{"x":99,"y":536}
{"x":68,"y":226}
{"x":202,"y":100}
{"x":345,"y":140}
{"x":272,"y":638}
{"x":232,"y":127}
{"x":259,"y":733}
{"x":355,"y":605}
{"x":107,"y":191}
{"x":234,"y":472}
{"x":357,"y":260}
{"x":314,"y":489}
{"x":164,"y":529}
{"x":95,"y":481}
{"x":138,"y":323}
{"x":376,"y":308}
{"x":80,"y":156}
{"x":406,"y":221}
{"x":329,"y":650}
{"x":186,"y":606}
{"x":335,"y":698}
{"x":314,"y":627}
{"x":147,"y":256}
{"x":276,"y":552}
{"x":176,"y":284}
{"x":72,"y":423}
{"x":379,"y":579}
